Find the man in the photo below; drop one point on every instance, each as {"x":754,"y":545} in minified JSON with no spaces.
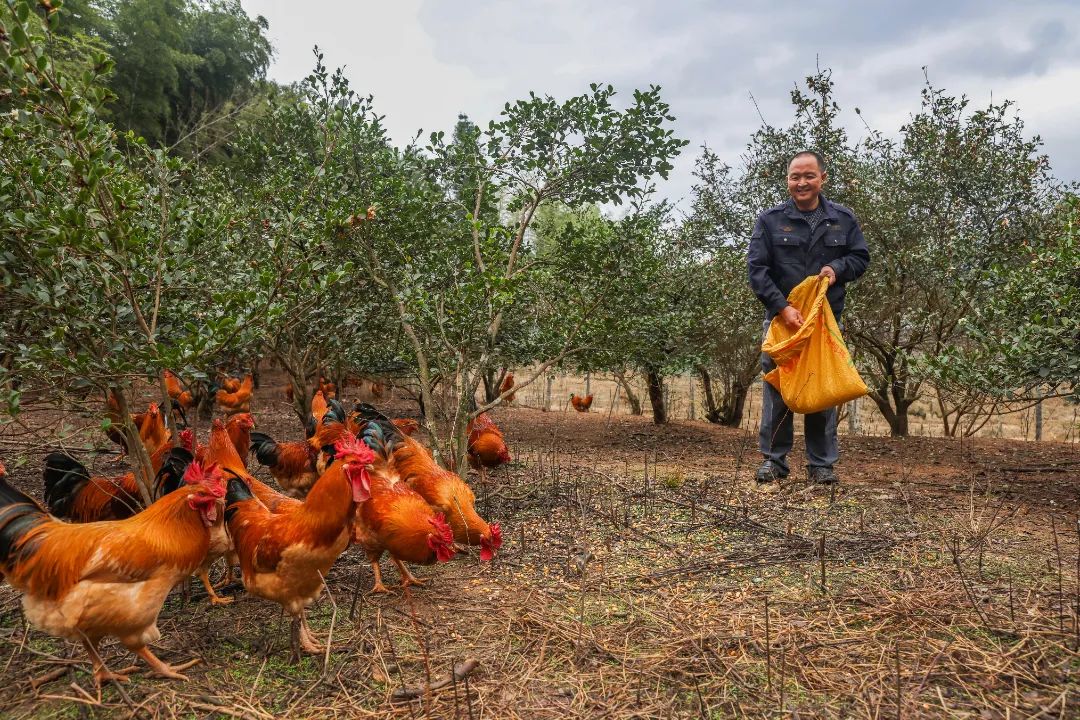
{"x":807,"y":235}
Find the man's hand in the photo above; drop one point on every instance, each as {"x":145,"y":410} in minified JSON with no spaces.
{"x":828,"y":272}
{"x":791,"y":317}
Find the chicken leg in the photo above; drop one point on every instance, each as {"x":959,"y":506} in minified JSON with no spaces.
{"x":302,"y":640}
{"x":407,"y":578}
{"x":163,"y":669}
{"x":215,"y":599}
{"x":102,"y":674}
{"x":379,"y":587}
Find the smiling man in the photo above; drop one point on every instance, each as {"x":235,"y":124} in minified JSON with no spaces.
{"x":807,"y":235}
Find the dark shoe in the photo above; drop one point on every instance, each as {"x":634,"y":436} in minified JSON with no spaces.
{"x":822,"y":475}
{"x":769,"y":471}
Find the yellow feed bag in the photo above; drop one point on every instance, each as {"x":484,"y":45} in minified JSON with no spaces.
{"x":814,"y":370}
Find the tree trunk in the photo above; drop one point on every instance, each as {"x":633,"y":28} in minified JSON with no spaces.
{"x":631,"y":399}
{"x":733,"y":406}
{"x":892,"y":397}
{"x":656,"y":396}
{"x":1038,"y":416}
{"x":712,"y":413}
{"x":141,"y":465}
{"x":588,"y":383}
{"x":547,"y":394}
{"x":491,"y":387}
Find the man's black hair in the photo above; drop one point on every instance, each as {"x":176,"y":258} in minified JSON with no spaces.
{"x":817,"y":156}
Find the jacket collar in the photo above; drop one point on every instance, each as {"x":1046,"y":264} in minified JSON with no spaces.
{"x":794,"y":213}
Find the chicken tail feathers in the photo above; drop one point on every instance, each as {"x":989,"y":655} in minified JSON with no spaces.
{"x":19,"y":514}
{"x":266,"y":449}
{"x":171,"y":475}
{"x":237,"y":491}
{"x":65,"y":477}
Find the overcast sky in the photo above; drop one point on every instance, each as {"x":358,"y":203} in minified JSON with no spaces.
{"x":425,"y":61}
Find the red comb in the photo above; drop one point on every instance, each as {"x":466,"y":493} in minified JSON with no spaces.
{"x":208,"y":475}
{"x":350,"y":447}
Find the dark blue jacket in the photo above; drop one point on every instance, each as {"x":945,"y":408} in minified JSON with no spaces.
{"x":782,"y":253}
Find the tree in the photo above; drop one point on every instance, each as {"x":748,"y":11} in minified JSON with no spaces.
{"x":480,"y":276}
{"x":729,"y":340}
{"x":104,"y":270}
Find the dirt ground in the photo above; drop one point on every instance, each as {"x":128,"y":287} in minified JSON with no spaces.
{"x":643,"y":575}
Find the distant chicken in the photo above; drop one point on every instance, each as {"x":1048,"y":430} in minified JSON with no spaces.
{"x":285,"y":557}
{"x":487,"y":447}
{"x":376,"y":390}
{"x":397,"y":519}
{"x":236,"y":401}
{"x":508,"y":384}
{"x":581,"y":404}
{"x":87,"y":582}
{"x":444,"y":490}
{"x":327,"y":388}
{"x":151,"y":426}
{"x":182,"y":399}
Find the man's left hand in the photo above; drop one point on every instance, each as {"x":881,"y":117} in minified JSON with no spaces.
{"x":828,"y":272}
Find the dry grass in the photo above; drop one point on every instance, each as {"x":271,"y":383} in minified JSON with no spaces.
{"x":634,"y":581}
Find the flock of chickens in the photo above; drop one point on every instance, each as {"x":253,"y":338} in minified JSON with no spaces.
{"x":99,"y":563}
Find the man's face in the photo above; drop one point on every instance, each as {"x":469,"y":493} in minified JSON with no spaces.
{"x":805,"y":179}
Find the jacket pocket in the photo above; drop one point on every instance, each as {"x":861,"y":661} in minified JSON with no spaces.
{"x":787,"y":249}
{"x":835,"y":237}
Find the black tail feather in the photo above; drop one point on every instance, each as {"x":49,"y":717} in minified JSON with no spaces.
{"x":237,"y":491}
{"x":64,"y":478}
{"x":19,"y":513}
{"x":171,"y":475}
{"x":265,"y":449}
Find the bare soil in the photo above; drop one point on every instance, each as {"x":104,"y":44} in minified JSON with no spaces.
{"x":637,"y":568}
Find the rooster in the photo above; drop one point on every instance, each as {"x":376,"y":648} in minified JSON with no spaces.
{"x":239,"y":428}
{"x":236,"y":401}
{"x":443,"y":490}
{"x":150,"y":424}
{"x":173,"y":470}
{"x":487,"y":447}
{"x":581,"y":404}
{"x":87,"y":582}
{"x":508,"y":384}
{"x":73,"y":494}
{"x":284,"y":557}
{"x":221,"y":452}
{"x":182,"y":399}
{"x":397,"y":519}
{"x":323,"y":410}
{"x":327,"y":388}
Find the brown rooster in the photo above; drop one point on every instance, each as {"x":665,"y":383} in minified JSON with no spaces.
{"x":443,"y":490}
{"x":581,"y":404}
{"x":285,"y":557}
{"x":487,"y":447}
{"x":397,"y":519}
{"x":87,"y":582}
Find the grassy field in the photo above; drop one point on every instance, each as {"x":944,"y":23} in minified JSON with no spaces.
{"x":644,"y":575}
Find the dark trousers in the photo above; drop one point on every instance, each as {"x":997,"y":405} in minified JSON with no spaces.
{"x":777,"y":431}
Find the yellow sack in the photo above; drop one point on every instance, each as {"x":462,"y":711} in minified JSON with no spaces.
{"x":814,"y":370}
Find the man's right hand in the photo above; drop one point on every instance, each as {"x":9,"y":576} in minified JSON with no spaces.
{"x":791,"y":317}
